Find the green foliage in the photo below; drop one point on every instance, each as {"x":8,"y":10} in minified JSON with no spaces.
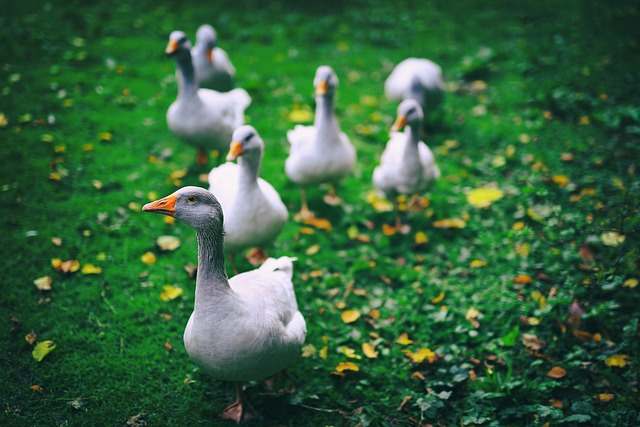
{"x":541,"y":102}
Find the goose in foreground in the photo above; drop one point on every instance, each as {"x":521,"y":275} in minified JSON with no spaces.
{"x":419,"y":79}
{"x":242,"y":329}
{"x":321,"y":153}
{"x":213,"y":68}
{"x":204,"y":118}
{"x":253,"y":211}
{"x":407,"y":165}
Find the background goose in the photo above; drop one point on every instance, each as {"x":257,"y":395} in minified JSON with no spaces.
{"x":407,"y":165}
{"x":242,"y":329}
{"x":254,"y":213}
{"x":322,"y":152}
{"x":202,"y":117}
{"x":419,"y":79}
{"x":213,"y":68}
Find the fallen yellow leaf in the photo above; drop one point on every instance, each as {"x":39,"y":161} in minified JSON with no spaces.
{"x":43,"y":283}
{"x":438,"y":298}
{"x":619,"y":360}
{"x":369,"y":350}
{"x":378,"y":203}
{"x":42,"y":349}
{"x":630,"y":283}
{"x":421,"y":238}
{"x":168,"y":243}
{"x":561,"y":180}
{"x":149,"y":258}
{"x":324,"y":352}
{"x":389,"y":230}
{"x":472,"y":313}
{"x":170,"y":292}
{"x":312,"y":250}
{"x":522,"y":279}
{"x":450,"y":223}
{"x":612,"y":238}
{"x":606,"y":397}
{"x":91,"y":269}
{"x":350,"y":316}
{"x":308,"y":350}
{"x":319,"y":223}
{"x":403,"y":339}
{"x":421,"y":355}
{"x":484,"y":197}
{"x":347,"y":366}
{"x":298,"y":115}
{"x":477,"y":263}
{"x":349,"y":352}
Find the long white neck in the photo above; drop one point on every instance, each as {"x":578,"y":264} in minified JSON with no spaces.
{"x":187,"y":84}
{"x":412,"y":133}
{"x":249,"y":164}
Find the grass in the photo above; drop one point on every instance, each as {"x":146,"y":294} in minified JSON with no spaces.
{"x":554,"y":124}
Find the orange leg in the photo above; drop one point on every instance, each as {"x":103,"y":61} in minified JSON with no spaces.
{"x":241,"y":409}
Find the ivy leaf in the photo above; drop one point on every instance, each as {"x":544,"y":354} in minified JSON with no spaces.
{"x":42,"y":349}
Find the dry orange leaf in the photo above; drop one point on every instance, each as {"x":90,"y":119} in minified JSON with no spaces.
{"x":556,"y":372}
{"x":561,"y":180}
{"x":31,"y":337}
{"x":350,"y":316}
{"x":523,"y":278}
{"x":369,"y":350}
{"x":36,"y":388}
{"x":389,"y":230}
{"x":606,"y":397}
{"x":403,"y":339}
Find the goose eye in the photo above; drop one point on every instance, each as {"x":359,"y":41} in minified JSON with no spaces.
{"x":248,"y":137}
{"x":191,"y":199}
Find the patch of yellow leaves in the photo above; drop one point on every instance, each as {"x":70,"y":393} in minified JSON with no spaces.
{"x":378,"y":203}
{"x":170,"y":292}
{"x":450,"y":223}
{"x":421,"y":355}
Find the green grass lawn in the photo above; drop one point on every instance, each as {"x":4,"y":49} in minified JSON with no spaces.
{"x":523,"y":312}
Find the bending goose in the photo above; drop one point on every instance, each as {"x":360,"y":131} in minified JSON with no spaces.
{"x":321,"y":153}
{"x":242,"y":329}
{"x":253,"y":211}
{"x":202,"y":117}
{"x":213,"y":68}
{"x":419,"y":79}
{"x":407,"y":165}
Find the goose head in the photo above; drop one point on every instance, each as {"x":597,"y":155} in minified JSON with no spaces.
{"x":195,"y":206}
{"x":409,"y":113}
{"x":206,"y":36}
{"x":245,"y":142}
{"x":179,"y":45}
{"x":325,"y":81}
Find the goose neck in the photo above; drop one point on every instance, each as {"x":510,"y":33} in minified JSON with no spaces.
{"x":187,"y":85}
{"x":211,"y":279}
{"x":249,"y":165}
{"x":325,"y":116}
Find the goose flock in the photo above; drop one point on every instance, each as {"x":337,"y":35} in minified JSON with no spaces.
{"x":249,"y":328}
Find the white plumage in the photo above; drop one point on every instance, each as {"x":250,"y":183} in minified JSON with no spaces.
{"x":242,"y":329}
{"x":203,"y":118}
{"x":213,"y":67}
{"x":407,"y":165}
{"x":419,"y":79}
{"x":254,"y":213}
{"x":321,"y":153}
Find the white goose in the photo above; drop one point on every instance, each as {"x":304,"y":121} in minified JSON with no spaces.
{"x":214,"y":70}
{"x":321,"y":153}
{"x":419,"y":79}
{"x":202,"y":117}
{"x":242,"y":329}
{"x":407,"y":165}
{"x":253,"y":211}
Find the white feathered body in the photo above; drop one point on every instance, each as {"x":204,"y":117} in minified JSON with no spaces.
{"x":251,"y":330}
{"x":217,"y":74}
{"x":319,"y":154}
{"x":207,"y":118}
{"x":419,"y":79}
{"x":406,"y":166}
{"x":254,"y":215}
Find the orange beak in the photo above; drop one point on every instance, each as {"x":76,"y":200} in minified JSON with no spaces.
{"x":399,"y":124}
{"x":171,"y":47}
{"x":321,"y":89}
{"x":166,"y":206}
{"x":234,"y":151}
{"x":210,"y":55}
